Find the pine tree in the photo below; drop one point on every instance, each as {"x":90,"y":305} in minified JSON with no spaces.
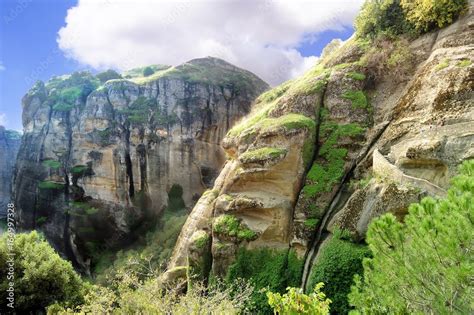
{"x":424,"y":265}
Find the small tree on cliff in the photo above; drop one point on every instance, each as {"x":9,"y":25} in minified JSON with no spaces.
{"x":424,"y":265}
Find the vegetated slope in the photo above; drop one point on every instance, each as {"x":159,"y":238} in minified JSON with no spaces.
{"x":372,"y":128}
{"x":100,"y":153}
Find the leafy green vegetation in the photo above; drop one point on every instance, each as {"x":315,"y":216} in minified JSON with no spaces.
{"x":311,"y":223}
{"x":228,"y":225}
{"x":41,"y":276}
{"x":322,"y":176}
{"x":339,"y":260}
{"x":50,"y":185}
{"x":356,"y":75}
{"x":261,"y":154}
{"x":358,"y":98}
{"x":148,"y":71}
{"x":427,"y":15}
{"x":41,"y":220}
{"x":296,"y":302}
{"x":273,"y":270}
{"x":108,"y":75}
{"x":442,"y":64}
{"x":423,"y":265}
{"x":397,"y":17}
{"x":464,"y":63}
{"x":51,"y":164}
{"x":79,"y":169}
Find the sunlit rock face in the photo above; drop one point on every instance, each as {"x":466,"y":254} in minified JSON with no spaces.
{"x":338,"y":147}
{"x":9,"y":145}
{"x":98,"y":159}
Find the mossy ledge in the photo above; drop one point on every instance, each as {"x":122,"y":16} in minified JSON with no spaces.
{"x":262,"y":154}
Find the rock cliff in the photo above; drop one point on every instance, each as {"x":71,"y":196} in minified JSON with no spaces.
{"x":9,"y":145}
{"x":100,"y":153}
{"x":366,"y":131}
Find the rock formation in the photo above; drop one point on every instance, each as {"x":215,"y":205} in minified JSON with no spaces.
{"x":9,"y":145}
{"x":347,"y":142}
{"x":100,"y":153}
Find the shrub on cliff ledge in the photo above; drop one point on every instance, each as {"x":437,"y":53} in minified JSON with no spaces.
{"x":424,"y":265}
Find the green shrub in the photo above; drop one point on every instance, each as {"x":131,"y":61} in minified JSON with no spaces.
{"x":50,"y":185}
{"x":229,"y":225}
{"x":79,"y":169}
{"x":442,"y":64}
{"x":378,"y":17}
{"x":426,"y":15}
{"x":296,"y":302}
{"x":148,"y":71}
{"x":41,"y":276}
{"x":108,"y":75}
{"x":338,"y":262}
{"x":274,"y":270}
{"x":423,"y":265}
{"x":464,"y":63}
{"x":52,"y":164}
{"x":63,"y":107}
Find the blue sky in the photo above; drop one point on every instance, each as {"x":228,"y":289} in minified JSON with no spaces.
{"x":29,"y":46}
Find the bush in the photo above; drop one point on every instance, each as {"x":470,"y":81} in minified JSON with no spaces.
{"x":108,"y":75}
{"x":131,"y":295}
{"x":336,"y":266}
{"x":296,"y":302}
{"x":265,"y":268}
{"x":148,"y":71}
{"x":426,"y":15}
{"x":424,"y":265}
{"x":41,"y":276}
{"x":381,"y":17}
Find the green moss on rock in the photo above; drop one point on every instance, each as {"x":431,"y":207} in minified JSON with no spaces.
{"x":262,"y":154}
{"x":357,"y":98}
{"x":229,"y":225}
{"x":50,"y":185}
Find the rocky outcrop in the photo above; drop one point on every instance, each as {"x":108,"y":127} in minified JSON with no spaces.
{"x":338,"y":147}
{"x":98,"y":158}
{"x":9,"y":145}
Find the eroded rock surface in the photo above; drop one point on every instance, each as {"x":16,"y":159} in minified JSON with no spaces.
{"x":98,"y":158}
{"x":9,"y":145}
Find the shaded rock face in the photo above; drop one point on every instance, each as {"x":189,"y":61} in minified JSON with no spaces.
{"x":9,"y":146}
{"x":336,"y":148}
{"x":98,"y":158}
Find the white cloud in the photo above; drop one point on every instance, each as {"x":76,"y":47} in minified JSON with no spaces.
{"x":3,"y":119}
{"x":258,"y":35}
{"x":2,"y":67}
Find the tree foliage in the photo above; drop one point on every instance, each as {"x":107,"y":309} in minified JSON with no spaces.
{"x":41,"y":276}
{"x":296,"y":302}
{"x":426,"y":15}
{"x":338,"y":262}
{"x":396,"y":17}
{"x":424,"y":265}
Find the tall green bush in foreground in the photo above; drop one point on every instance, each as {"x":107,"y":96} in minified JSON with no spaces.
{"x":296,"y":302}
{"x":424,"y":265}
{"x":41,"y":276}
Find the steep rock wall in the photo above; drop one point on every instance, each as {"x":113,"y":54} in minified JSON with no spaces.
{"x":98,"y":158}
{"x":300,"y":164}
{"x":9,"y":146}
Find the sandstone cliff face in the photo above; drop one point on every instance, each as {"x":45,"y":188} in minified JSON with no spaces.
{"x":338,"y":147}
{"x":98,"y":158}
{"x":9,"y":145}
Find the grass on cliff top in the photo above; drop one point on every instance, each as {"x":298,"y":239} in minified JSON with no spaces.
{"x":261,"y":154}
{"x":207,"y":71}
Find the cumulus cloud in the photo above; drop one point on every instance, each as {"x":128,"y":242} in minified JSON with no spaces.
{"x":258,"y":35}
{"x":3,"y":119}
